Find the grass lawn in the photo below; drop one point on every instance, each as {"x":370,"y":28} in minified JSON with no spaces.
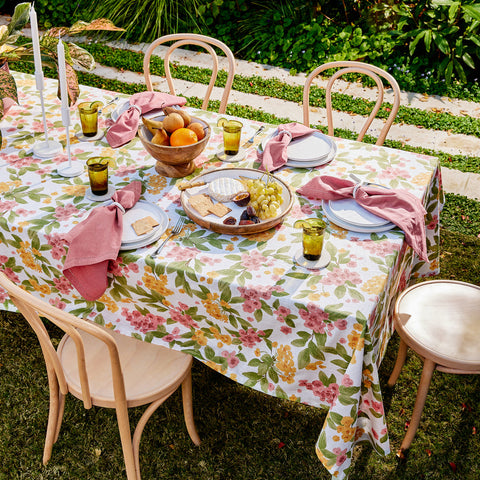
{"x":246,"y":435}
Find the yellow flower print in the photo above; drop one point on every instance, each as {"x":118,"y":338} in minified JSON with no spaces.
{"x":47,"y":200}
{"x":157,"y":284}
{"x":281,"y":237}
{"x":375,"y":285}
{"x":315,"y":365}
{"x":278,"y":271}
{"x":355,"y":342}
{"x":199,"y":337}
{"x":257,"y":352}
{"x":75,"y":190}
{"x":285,"y":363}
{"x":229,"y":247}
{"x":44,"y":288}
{"x":313,"y":297}
{"x":216,"y":367}
{"x":156,"y":183}
{"x":233,"y":376}
{"x":367,"y":378}
{"x":108,"y":302}
{"x":213,"y":308}
{"x":345,"y":428}
{"x":421,"y":179}
{"x":337,"y":231}
{"x":212,"y":275}
{"x":27,"y":257}
{"x":109,"y":325}
{"x":293,"y":398}
{"x":4,"y":187}
{"x":336,"y":438}
{"x":359,"y":432}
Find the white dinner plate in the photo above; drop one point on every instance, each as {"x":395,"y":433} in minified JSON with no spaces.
{"x":123,"y":107}
{"x":349,"y":211}
{"x":142,"y":209}
{"x":354,"y":228}
{"x":308,"y":148}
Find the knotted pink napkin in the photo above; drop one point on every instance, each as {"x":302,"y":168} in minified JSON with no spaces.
{"x":398,"y":206}
{"x":96,"y":241}
{"x":275,"y":154}
{"x":126,"y":126}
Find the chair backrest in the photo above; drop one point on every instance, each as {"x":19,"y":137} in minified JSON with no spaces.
{"x":203,"y":41}
{"x":32,"y":308}
{"x":359,"y":67}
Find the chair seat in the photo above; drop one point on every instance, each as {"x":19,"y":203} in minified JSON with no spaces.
{"x":147,"y":369}
{"x":440,"y":320}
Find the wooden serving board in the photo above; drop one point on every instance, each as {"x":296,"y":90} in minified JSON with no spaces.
{"x":214,"y":223}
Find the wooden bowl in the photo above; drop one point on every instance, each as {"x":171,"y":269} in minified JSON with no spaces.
{"x":174,"y":161}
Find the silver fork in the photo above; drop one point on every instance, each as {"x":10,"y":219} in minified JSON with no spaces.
{"x":249,"y":142}
{"x":175,"y":231}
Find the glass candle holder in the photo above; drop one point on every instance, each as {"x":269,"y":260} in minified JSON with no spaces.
{"x":232,"y":132}
{"x":88,"y":112}
{"x":98,"y":175}
{"x":313,"y":233}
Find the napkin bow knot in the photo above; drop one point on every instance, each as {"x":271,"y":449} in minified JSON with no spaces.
{"x":274,"y":155}
{"x":398,"y":206}
{"x":126,"y":126}
{"x":96,"y":241}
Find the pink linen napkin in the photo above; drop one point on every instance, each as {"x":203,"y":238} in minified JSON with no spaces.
{"x":96,"y":241}
{"x":126,"y":126}
{"x":275,"y":154}
{"x":398,"y":206}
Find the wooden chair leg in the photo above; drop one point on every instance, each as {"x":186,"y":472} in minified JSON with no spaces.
{"x":126,"y":439}
{"x":53,"y":413}
{"x":188,"y":409}
{"x":401,"y":357}
{"x":427,"y":372}
{"x":61,"y":409}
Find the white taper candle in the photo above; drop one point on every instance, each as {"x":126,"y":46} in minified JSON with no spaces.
{"x":62,"y":78}
{"x":36,"y":49}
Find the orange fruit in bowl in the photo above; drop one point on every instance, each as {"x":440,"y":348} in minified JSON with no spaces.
{"x":183,"y":136}
{"x":198,"y":128}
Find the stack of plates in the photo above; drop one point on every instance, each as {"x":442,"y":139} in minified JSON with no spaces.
{"x":308,"y":151}
{"x":348,"y":214}
{"x":142,"y":209}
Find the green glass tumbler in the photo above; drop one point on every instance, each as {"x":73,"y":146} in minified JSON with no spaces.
{"x":98,"y":174}
{"x":88,"y":112}
{"x":313,"y":232}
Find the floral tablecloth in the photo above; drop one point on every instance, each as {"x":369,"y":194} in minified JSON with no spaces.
{"x":237,"y":303}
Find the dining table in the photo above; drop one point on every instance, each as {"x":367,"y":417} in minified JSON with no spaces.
{"x":239,"y":303}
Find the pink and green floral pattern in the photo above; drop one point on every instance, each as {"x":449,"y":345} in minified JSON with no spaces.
{"x":237,"y":303}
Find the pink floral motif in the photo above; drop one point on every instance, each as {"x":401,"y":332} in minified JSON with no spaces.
{"x":314,"y":318}
{"x":338,"y":276}
{"x":175,"y":335}
{"x":3,"y":259}
{"x":433,"y":224}
{"x":56,"y":302}
{"x":393,"y":172}
{"x":178,"y":316}
{"x":7,"y":205}
{"x":209,"y":260}
{"x":182,"y":254}
{"x":63,"y":285}
{"x":115,"y":268}
{"x":380,"y":249}
{"x":341,"y":455}
{"x":144,"y":323}
{"x":347,"y":381}
{"x":3,"y":295}
{"x":64,"y":213}
{"x":57,"y":243}
{"x":125,"y":170}
{"x":286,"y":330}
{"x":325,"y":394}
{"x":232,"y":360}
{"x":252,"y":261}
{"x":250,"y":337}
{"x":11,"y":275}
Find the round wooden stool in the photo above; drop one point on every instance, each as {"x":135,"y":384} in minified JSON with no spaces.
{"x":439,"y":320}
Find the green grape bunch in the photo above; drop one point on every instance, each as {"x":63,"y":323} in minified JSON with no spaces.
{"x":265,"y":198}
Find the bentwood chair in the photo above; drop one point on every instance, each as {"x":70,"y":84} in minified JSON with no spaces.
{"x":105,"y":369}
{"x":181,"y":39}
{"x":345,"y":67}
{"x":440,"y":321}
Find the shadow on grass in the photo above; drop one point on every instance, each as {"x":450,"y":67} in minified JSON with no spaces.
{"x":246,"y":435}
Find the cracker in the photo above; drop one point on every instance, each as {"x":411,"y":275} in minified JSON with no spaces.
{"x":219,"y":209}
{"x":201,"y":203}
{"x":144,"y":225}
